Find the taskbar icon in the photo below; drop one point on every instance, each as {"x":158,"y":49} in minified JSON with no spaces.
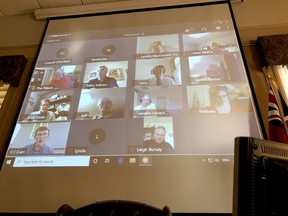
{"x":120,"y":160}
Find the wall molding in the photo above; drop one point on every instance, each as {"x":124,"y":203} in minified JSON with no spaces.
{"x":43,"y":14}
{"x":249,"y":35}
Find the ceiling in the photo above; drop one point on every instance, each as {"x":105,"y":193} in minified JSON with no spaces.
{"x":20,"y":7}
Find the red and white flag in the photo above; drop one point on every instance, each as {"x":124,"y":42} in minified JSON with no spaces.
{"x":278,"y":114}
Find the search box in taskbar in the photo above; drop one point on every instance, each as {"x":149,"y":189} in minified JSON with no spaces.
{"x":52,"y":161}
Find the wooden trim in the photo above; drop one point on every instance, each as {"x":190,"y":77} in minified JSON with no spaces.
{"x":3,"y":92}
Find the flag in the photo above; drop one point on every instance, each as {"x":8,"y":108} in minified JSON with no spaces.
{"x":278,"y":116}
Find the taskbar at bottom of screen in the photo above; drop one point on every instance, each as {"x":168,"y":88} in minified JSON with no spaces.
{"x":113,"y":160}
{"x":75,"y":161}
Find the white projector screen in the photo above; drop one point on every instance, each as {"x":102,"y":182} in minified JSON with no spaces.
{"x":138,"y":105}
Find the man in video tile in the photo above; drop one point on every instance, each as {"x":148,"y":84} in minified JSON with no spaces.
{"x":105,"y":107}
{"x":62,"y":111}
{"x":160,"y":79}
{"x":158,"y":145}
{"x":39,"y":147}
{"x":43,"y":114}
{"x":102,"y":80}
{"x":60,"y":80}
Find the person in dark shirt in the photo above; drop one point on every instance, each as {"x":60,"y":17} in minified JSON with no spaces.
{"x":39,"y":147}
{"x":101,"y":80}
{"x":158,"y":145}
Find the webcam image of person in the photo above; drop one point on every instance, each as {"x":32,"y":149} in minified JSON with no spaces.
{"x":146,"y":104}
{"x":158,"y":144}
{"x":62,"y":111}
{"x":60,"y":80}
{"x":39,"y":147}
{"x":105,"y":107}
{"x":43,"y":114}
{"x":158,"y":47}
{"x":102,"y":80}
{"x":220,"y":100}
{"x":219,"y":48}
{"x":159,"y":78}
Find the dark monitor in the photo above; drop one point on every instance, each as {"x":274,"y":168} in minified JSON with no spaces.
{"x":260,"y":177}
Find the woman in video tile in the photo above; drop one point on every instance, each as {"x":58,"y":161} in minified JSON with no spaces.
{"x":145,"y":107}
{"x":221,"y":102}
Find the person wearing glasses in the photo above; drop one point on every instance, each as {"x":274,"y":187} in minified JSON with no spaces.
{"x":221,"y":102}
{"x":39,"y":147}
{"x":105,"y":108}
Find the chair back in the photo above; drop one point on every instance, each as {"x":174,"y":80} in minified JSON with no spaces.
{"x":114,"y":208}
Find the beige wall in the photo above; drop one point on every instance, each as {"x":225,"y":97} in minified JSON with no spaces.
{"x":20,"y":30}
{"x":253,"y":13}
{"x":22,"y":35}
{"x":260,"y":17}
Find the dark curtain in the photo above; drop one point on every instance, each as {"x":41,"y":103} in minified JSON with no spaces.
{"x":11,"y":69}
{"x":273,"y":49}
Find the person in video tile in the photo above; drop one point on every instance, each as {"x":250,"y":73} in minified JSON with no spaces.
{"x":158,"y":47}
{"x":220,"y":100}
{"x":158,"y":145}
{"x":145,"y":106}
{"x":101,"y":80}
{"x":105,"y":108}
{"x":159,"y":78}
{"x":39,"y":147}
{"x":60,"y":80}
{"x":62,"y":111}
{"x":43,"y":114}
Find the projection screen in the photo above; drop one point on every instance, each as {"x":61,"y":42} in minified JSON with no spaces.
{"x":137,"y":105}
